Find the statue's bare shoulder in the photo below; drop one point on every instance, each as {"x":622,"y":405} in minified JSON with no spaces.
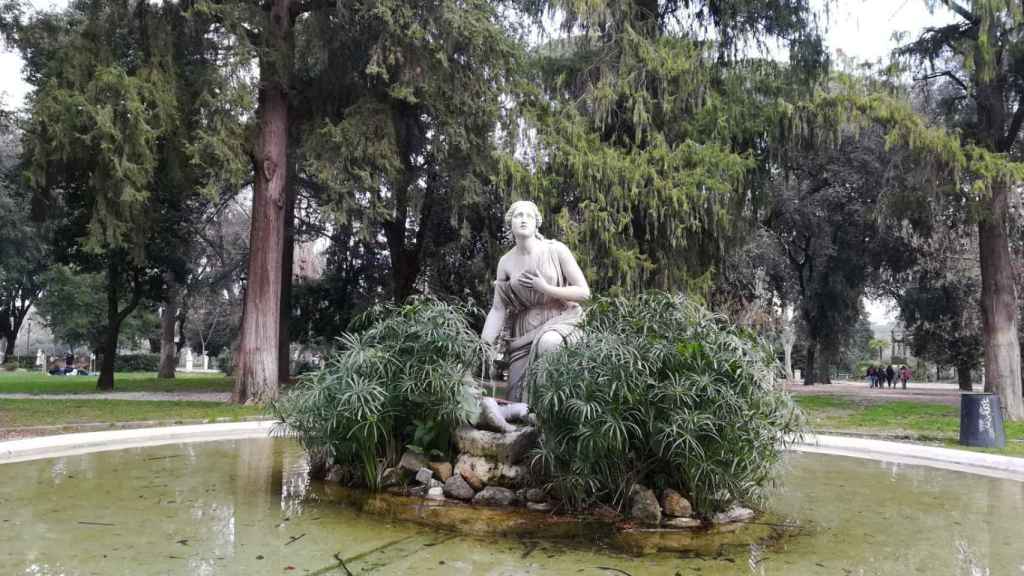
{"x":503,"y":264}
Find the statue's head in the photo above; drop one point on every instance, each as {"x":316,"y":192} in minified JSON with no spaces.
{"x":524,"y":217}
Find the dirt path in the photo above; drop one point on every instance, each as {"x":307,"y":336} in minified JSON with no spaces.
{"x":929,"y":392}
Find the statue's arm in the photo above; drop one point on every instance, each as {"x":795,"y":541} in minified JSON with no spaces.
{"x":496,"y":317}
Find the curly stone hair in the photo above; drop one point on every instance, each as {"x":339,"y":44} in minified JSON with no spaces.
{"x":512,"y":210}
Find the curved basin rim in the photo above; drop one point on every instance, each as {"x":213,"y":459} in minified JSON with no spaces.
{"x":81,"y":443}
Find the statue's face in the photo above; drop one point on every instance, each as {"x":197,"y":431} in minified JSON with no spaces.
{"x":524,"y":221}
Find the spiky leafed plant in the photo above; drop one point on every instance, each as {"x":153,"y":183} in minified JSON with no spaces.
{"x":359,"y":408}
{"x":659,"y":391}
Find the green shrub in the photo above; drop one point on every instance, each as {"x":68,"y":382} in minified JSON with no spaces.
{"x":226,"y":362}
{"x":26,"y":362}
{"x":661,"y":392}
{"x":135,"y":363}
{"x":395,"y":384}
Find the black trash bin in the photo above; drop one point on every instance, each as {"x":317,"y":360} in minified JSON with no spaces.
{"x":981,"y":421}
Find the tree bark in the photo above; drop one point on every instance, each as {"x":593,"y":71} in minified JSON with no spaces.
{"x":257,"y":378}
{"x":963,"y":378}
{"x":13,"y":317}
{"x":115,"y":318}
{"x":10,"y":346}
{"x":287,"y":273}
{"x":106,"y":379}
{"x":999,"y":306}
{"x":168,"y":348}
{"x":809,"y":367}
{"x":788,"y":339}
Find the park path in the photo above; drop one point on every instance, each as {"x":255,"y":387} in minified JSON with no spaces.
{"x":195,"y":396}
{"x":928,"y":392}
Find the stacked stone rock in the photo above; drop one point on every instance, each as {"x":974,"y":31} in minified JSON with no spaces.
{"x":488,"y":471}
{"x":672,"y":510}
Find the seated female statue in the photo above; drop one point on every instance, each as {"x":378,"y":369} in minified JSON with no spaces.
{"x":537,"y":293}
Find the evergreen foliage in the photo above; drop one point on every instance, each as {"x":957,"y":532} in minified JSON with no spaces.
{"x":939,"y":302}
{"x":24,"y":245}
{"x":108,"y":143}
{"x":648,"y":131}
{"x":403,"y":374}
{"x":980,"y":58}
{"x":74,"y":307}
{"x":828,"y":218}
{"x":105,"y":99}
{"x":398,"y":108}
{"x":660,"y":391}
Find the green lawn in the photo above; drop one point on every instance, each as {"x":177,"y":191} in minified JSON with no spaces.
{"x":916,"y":421}
{"x":17,"y":413}
{"x":38,"y":383}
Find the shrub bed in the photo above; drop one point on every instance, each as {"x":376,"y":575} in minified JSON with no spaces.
{"x":397,"y":384}
{"x":133,"y":362}
{"x":656,"y":391}
{"x":659,"y":391}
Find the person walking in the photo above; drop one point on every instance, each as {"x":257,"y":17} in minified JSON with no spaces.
{"x":904,"y":376}
{"x":871,"y":376}
{"x":890,"y":375}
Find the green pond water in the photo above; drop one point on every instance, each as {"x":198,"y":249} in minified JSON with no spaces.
{"x":246,"y":507}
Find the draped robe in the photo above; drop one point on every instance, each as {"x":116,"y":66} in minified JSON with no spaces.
{"x":530,"y":314}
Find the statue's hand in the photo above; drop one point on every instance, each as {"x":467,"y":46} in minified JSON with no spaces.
{"x":534,"y":280}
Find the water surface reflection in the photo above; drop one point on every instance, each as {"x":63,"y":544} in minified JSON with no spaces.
{"x":246,"y":507}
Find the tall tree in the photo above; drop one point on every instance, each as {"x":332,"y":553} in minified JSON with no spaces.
{"x":74,"y":307}
{"x":653,"y":128}
{"x":257,"y":375}
{"x":393,"y":106}
{"x":829,"y":220}
{"x":107,"y":144}
{"x":981,"y":56}
{"x":266,"y":31}
{"x":402,"y":133}
{"x":24,"y":244}
{"x":212,"y":295}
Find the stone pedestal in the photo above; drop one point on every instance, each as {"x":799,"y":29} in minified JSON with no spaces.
{"x":505,"y":449}
{"x":492,"y":458}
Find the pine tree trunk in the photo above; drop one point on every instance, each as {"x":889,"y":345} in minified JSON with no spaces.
{"x":106,"y":379}
{"x":787,"y":350}
{"x":14,"y":318}
{"x":10,"y":347}
{"x":999,"y":306}
{"x":10,"y":350}
{"x":963,"y":378}
{"x":809,"y":367}
{"x":257,"y":378}
{"x":168,"y":348}
{"x":287,"y":272}
{"x":788,"y":339}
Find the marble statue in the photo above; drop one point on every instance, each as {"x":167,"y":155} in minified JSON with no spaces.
{"x":537,"y":291}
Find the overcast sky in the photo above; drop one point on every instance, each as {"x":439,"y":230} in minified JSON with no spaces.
{"x":861,"y":29}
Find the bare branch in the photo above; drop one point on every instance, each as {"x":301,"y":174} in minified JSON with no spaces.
{"x":948,"y":74}
{"x":963,"y":12}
